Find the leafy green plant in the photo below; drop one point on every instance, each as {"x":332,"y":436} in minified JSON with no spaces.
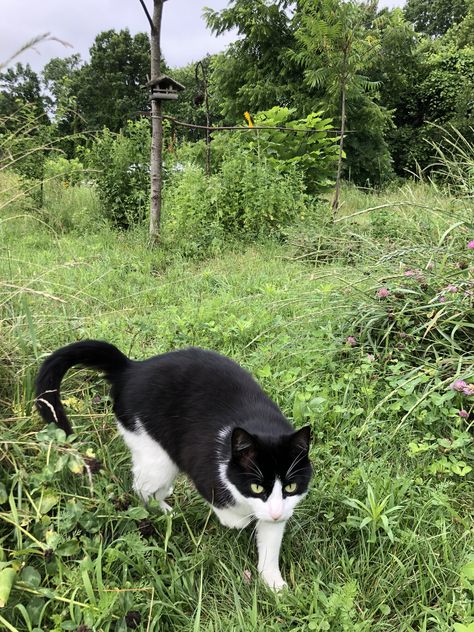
{"x":119,"y":165}
{"x":245,"y":199}
{"x":312,"y":153}
{"x":373,"y":514}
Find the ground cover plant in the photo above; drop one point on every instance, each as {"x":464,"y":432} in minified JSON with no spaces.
{"x":361,"y":328}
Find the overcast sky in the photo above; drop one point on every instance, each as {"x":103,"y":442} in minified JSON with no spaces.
{"x":184,"y":34}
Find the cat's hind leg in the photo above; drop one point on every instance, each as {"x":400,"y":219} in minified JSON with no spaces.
{"x":153,"y":469}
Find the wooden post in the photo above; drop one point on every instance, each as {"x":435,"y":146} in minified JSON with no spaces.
{"x":156,"y":127}
{"x":156,"y":121}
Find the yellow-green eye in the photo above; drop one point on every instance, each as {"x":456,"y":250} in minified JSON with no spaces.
{"x":256,"y":488}
{"x":290,"y":488}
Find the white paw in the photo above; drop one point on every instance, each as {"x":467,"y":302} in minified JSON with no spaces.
{"x":274,"y":580}
{"x":165,"y":507}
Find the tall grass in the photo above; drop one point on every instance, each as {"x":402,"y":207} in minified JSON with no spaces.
{"x":384,"y":540}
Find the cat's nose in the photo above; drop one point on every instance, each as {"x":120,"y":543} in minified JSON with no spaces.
{"x":275,"y":515}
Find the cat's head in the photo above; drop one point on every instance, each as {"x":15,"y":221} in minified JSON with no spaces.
{"x":270,"y":474}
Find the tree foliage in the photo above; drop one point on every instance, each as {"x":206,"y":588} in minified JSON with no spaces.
{"x":335,"y":49}
{"x":109,"y":89}
{"x":255,"y":73}
{"x":435,"y":17}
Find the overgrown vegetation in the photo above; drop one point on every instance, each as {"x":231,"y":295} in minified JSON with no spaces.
{"x":359,"y":324}
{"x":382,"y":542}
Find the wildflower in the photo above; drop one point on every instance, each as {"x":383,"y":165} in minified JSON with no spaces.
{"x":468,"y":390}
{"x":248,"y":118}
{"x":442,"y":299}
{"x":463,"y":413}
{"x":458,"y":385}
{"x":410,"y":273}
{"x":470,"y":245}
{"x":351,"y":341}
{"x":451,"y":288}
{"x":383,"y":292}
{"x":370,"y":357}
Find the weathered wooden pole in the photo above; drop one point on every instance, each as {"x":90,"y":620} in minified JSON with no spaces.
{"x":156,"y":120}
{"x":156,"y":126}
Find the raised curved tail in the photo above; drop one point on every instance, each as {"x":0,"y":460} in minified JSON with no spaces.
{"x":93,"y":354}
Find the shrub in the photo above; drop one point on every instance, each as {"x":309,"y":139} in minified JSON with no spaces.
{"x":243,"y":200}
{"x":120,"y":168}
{"x":190,"y":211}
{"x":66,"y":171}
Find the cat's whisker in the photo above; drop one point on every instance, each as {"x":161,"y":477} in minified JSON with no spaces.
{"x":256,"y":468}
{"x":297,"y":459}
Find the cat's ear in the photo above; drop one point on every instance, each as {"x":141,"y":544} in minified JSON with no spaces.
{"x":301,"y":439}
{"x":242,"y":442}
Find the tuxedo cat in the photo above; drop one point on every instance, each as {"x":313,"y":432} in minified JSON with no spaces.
{"x":197,"y":412}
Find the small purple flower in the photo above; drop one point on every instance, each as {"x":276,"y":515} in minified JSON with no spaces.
{"x":463,"y":413}
{"x":370,"y":357}
{"x":451,"y":288}
{"x":383,"y":292}
{"x":351,"y":341}
{"x":442,"y":299}
{"x":410,"y":273}
{"x":468,"y":390}
{"x":458,"y":385}
{"x":470,"y":245}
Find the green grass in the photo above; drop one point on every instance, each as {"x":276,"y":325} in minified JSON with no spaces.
{"x":384,"y":540}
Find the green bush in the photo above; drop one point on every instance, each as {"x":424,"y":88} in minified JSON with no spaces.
{"x":58,"y":167}
{"x":244,"y":200}
{"x":120,"y":166}
{"x":190,"y":211}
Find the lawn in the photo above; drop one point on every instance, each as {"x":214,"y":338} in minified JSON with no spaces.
{"x":359,"y":328}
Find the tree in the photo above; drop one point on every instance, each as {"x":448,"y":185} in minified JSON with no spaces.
{"x":19,"y":85}
{"x":255,"y":73}
{"x":334,"y":49}
{"x":58,"y":78}
{"x":156,"y":119}
{"x":461,"y":34}
{"x":398,"y":69}
{"x":23,"y":123}
{"x":56,"y":71}
{"x":435,"y":17}
{"x":109,"y":88}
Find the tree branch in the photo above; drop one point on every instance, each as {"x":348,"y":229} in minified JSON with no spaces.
{"x":147,"y":15}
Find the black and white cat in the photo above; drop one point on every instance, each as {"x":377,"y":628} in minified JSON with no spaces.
{"x":198,"y":412}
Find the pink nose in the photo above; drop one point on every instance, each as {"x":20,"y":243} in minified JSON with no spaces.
{"x":275,"y":514}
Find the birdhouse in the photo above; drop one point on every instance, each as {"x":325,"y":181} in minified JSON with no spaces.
{"x":164,"y":88}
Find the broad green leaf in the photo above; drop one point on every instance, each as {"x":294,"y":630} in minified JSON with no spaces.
{"x":7,"y":579}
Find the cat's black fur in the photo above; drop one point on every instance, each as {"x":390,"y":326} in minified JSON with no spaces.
{"x":184,"y":399}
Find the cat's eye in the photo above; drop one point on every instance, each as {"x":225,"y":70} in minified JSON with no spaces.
{"x":290,"y":488}
{"x":256,"y":488}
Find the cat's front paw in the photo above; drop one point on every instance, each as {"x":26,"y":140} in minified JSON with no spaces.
{"x":274,"y":580}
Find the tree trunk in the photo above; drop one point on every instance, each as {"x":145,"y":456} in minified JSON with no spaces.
{"x":156,"y":126}
{"x":335,"y":202}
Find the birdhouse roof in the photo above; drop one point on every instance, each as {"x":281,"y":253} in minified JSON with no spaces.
{"x":164,"y":82}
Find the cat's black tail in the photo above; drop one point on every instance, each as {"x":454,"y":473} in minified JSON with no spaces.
{"x":93,"y":354}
